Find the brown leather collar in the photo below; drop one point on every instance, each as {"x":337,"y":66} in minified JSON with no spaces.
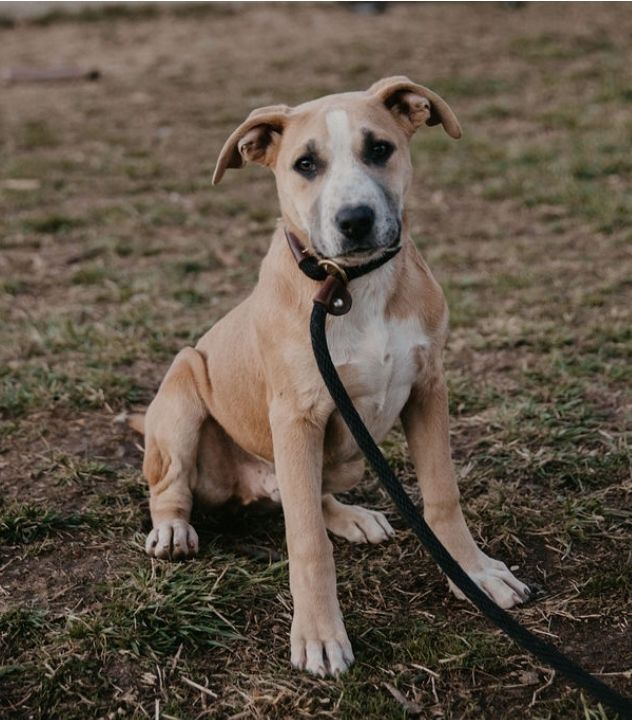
{"x":333,"y":293}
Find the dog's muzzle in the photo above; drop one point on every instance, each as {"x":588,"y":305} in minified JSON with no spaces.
{"x":353,"y":252}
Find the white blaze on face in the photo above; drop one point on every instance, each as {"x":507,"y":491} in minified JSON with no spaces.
{"x":340,"y":141}
{"x":347,"y":183}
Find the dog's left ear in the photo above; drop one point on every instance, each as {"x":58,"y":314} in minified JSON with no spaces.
{"x":255,"y":140}
{"x":413,"y":105}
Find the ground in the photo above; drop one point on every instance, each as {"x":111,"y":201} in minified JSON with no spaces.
{"x":115,"y":251}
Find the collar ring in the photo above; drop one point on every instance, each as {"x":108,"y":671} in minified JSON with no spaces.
{"x":332,"y":268}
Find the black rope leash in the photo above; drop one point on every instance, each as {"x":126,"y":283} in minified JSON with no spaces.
{"x":541,"y":649}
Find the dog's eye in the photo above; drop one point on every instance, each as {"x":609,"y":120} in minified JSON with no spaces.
{"x":306,"y":165}
{"x":379,"y":152}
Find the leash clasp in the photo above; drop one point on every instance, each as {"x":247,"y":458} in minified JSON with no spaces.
{"x":333,"y":294}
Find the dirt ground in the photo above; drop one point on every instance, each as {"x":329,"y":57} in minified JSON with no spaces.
{"x":115,"y":251}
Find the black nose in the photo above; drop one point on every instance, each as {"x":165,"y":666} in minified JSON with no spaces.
{"x":355,"y":223}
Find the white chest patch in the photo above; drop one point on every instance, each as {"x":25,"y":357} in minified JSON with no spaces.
{"x":378,"y":359}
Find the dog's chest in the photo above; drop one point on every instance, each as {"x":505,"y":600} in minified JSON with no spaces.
{"x":378,"y":359}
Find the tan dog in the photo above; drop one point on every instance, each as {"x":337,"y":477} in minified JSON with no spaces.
{"x":246,"y":415}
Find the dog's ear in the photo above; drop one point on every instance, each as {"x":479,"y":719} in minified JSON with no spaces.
{"x":255,"y":140}
{"x":412,"y":105}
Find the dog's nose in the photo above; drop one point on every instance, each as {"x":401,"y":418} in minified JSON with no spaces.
{"x":355,"y":223}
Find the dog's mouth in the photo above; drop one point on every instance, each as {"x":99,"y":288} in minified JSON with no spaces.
{"x":363,"y":253}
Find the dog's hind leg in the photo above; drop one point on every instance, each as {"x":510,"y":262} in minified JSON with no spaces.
{"x":352,"y":522}
{"x":172,"y":433}
{"x":355,"y":523}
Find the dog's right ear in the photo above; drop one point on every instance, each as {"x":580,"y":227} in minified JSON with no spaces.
{"x":255,"y":140}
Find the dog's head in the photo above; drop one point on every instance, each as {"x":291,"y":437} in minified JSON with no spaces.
{"x":342,"y":162}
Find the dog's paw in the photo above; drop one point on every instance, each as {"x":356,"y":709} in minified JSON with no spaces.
{"x":322,"y":657}
{"x":357,"y":524}
{"x":498,"y":582}
{"x":172,"y":540}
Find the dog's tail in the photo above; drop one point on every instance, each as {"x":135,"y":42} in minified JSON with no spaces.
{"x":136,"y":421}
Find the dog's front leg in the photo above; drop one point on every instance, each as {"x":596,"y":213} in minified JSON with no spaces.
{"x":425,"y":421}
{"x":319,"y":641}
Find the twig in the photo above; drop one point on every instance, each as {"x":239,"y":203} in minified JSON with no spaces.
{"x":199,"y":687}
{"x":425,"y":669}
{"x":547,"y":684}
{"x":409,"y":707}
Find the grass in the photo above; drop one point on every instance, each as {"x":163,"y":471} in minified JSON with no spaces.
{"x":157,"y":613}
{"x":115,"y":251}
{"x":27,"y":523}
{"x":51,"y":224}
{"x":38,"y":384}
{"x":582,"y":179}
{"x":37,"y":134}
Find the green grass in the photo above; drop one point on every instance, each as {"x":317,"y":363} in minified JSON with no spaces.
{"x":20,"y":626}
{"x":26,"y":524}
{"x":156,"y":613}
{"x":581,"y":171}
{"x":52,"y":224}
{"x":39,"y":386}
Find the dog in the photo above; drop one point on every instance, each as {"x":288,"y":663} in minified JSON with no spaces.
{"x":245,"y":414}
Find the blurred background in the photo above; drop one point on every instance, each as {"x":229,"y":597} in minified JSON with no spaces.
{"x":115,"y":251}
